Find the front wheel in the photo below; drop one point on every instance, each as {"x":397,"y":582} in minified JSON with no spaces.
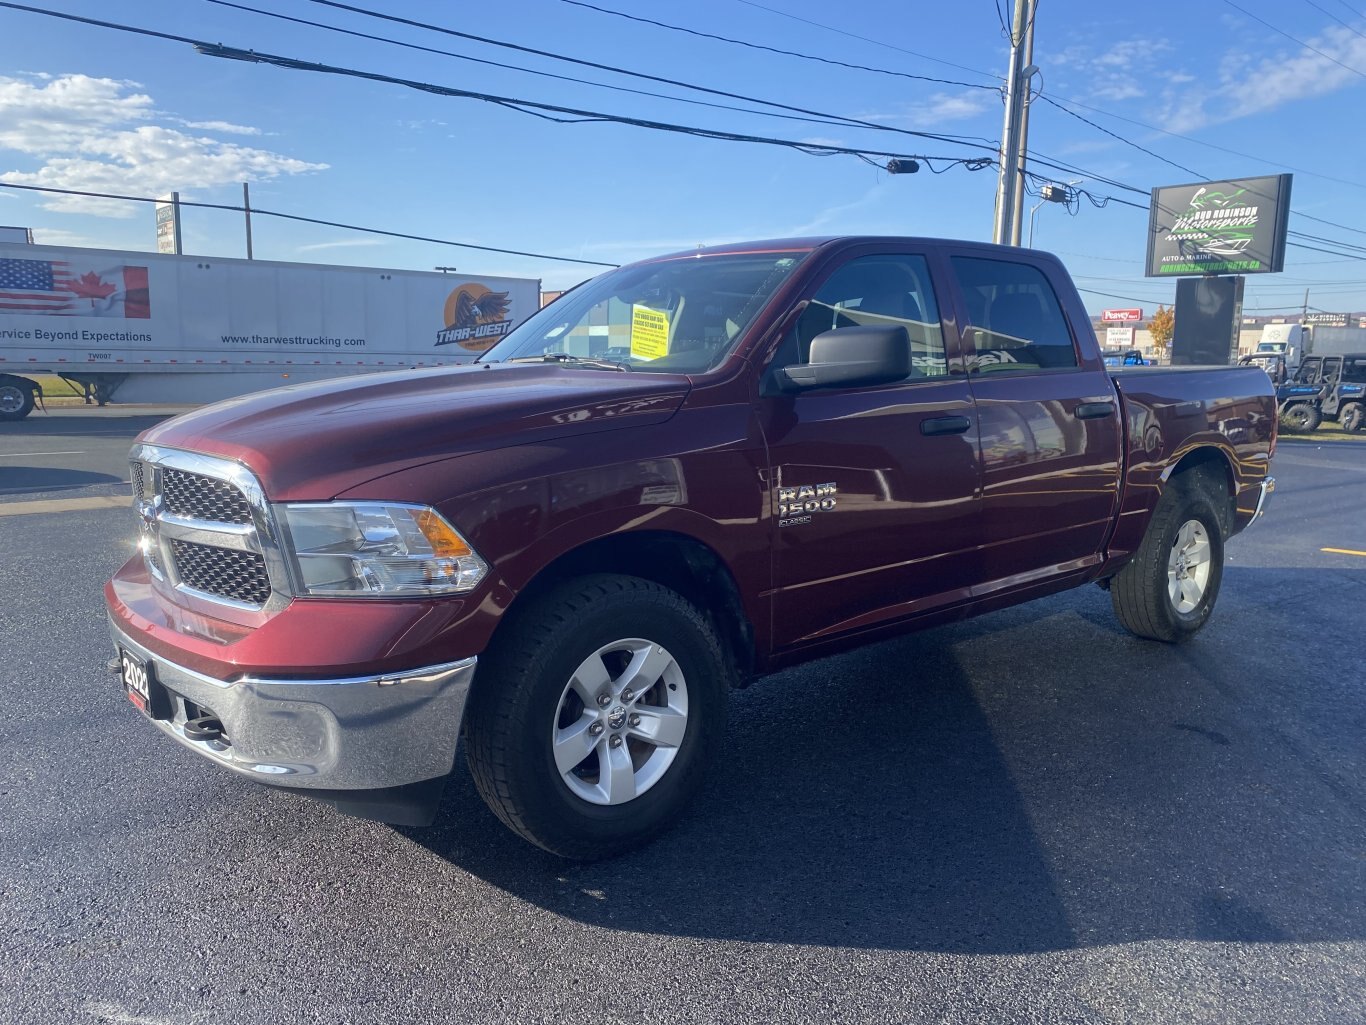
{"x":1168,"y":590}
{"x":600,"y":710}
{"x":1352,"y":417}
{"x":1301,"y":418}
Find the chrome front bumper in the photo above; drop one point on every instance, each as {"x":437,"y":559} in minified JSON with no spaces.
{"x":361,"y":733}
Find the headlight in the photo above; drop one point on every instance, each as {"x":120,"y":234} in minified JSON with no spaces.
{"x":377,"y":549}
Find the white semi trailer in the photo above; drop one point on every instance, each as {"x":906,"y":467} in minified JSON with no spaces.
{"x":147,"y":327}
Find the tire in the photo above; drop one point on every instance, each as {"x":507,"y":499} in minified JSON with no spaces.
{"x":16,"y":401}
{"x":1352,"y":417}
{"x":536,"y":734}
{"x":1163,"y":593}
{"x":1301,"y":418}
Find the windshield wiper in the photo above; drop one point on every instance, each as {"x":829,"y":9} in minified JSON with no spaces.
{"x":578,"y":361}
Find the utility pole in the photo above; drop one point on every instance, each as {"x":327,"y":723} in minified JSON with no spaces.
{"x":1304,"y":314}
{"x":1017,"y":210}
{"x":1008,"y":212}
{"x":246,"y":208}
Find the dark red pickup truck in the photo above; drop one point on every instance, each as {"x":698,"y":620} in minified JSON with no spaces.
{"x":680,"y":476}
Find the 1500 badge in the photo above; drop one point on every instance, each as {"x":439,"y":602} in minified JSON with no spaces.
{"x":797,"y":505}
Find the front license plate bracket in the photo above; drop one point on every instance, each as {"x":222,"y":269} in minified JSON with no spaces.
{"x":138,"y":676}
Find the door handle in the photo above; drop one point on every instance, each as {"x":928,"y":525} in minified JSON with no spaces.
{"x":1094,"y":410}
{"x":944,"y":425}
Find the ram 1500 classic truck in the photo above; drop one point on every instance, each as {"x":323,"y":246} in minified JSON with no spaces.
{"x":680,"y":476}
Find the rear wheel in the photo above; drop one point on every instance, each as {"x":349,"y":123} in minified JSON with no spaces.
{"x":16,"y":402}
{"x":1300,"y":418}
{"x":1351,"y":417}
{"x":601,"y":709}
{"x":1168,"y":590}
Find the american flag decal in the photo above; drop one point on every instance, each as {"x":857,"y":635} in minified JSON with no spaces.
{"x":56,"y":288}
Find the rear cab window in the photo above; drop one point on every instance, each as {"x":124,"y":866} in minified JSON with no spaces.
{"x":1014,"y":320}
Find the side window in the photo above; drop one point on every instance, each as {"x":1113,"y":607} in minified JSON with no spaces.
{"x":1014,"y":319}
{"x":874,"y":290}
{"x":1354,"y":370}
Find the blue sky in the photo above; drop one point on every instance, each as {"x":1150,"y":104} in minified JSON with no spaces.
{"x":87,"y":108}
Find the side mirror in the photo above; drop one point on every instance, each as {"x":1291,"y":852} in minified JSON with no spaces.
{"x":848,"y":357}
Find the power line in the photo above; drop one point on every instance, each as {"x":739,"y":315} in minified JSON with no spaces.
{"x":1111,"y":295}
{"x":1208,"y":145}
{"x":775,"y":49}
{"x":867,"y":39}
{"x":856,"y":122}
{"x":827,"y":118}
{"x":1336,"y":18}
{"x":528,"y":71}
{"x":1197,"y":174}
{"x":546,"y":111}
{"x":1327,"y":241}
{"x":1128,"y":142}
{"x":258,"y":211}
{"x":1300,"y":42}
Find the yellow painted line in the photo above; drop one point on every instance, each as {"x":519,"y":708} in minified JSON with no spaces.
{"x":58,"y":505}
{"x":1343,"y":551}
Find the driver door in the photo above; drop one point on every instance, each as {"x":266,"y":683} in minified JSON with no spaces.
{"x":874,"y":489}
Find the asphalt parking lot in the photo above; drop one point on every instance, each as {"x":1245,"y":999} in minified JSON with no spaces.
{"x":1029,"y":817}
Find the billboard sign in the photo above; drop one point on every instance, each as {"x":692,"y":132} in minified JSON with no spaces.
{"x":1225,"y":227}
{"x":168,"y":226}
{"x":1119,"y":338}
{"x":1327,"y":319}
{"x":1121,"y":316}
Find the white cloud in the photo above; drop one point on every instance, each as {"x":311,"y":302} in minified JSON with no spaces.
{"x":835,"y":214}
{"x":61,"y":237}
{"x":226,"y":127}
{"x":100,"y":135}
{"x":1256,"y":82}
{"x":1114,"y":69}
{"x":940,"y":108}
{"x":346,"y":243}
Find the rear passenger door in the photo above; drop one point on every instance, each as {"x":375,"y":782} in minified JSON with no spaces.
{"x":874,"y":488}
{"x":1051,"y":438}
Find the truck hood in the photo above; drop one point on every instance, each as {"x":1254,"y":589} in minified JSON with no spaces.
{"x":311,"y":442}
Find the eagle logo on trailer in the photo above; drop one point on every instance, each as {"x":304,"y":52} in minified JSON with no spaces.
{"x":475,"y":317}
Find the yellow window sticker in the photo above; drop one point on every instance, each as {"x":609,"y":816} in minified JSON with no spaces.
{"x":649,"y":333}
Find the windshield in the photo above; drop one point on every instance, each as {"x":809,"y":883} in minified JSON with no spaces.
{"x":680,"y":316}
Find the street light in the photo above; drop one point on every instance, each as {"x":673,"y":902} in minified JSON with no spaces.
{"x":1051,"y":194}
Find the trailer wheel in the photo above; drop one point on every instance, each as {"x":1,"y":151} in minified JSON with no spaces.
{"x":1301,"y":418}
{"x":1352,"y":417}
{"x":1167,"y":592}
{"x":593,"y":719}
{"x":16,"y":402}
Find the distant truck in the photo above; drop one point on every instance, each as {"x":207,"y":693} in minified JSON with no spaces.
{"x":1296,"y":341}
{"x":1287,"y":340}
{"x":149,"y":327}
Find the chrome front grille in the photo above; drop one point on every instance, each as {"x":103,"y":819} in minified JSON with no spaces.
{"x":207,"y":531}
{"x":197,"y":497}
{"x":229,"y":573}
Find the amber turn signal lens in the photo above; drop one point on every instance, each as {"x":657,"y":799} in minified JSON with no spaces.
{"x":445,"y":542}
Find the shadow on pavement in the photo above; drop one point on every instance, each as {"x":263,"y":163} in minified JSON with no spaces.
{"x":101,"y":423}
{"x":24,"y":480}
{"x":1034,"y":780}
